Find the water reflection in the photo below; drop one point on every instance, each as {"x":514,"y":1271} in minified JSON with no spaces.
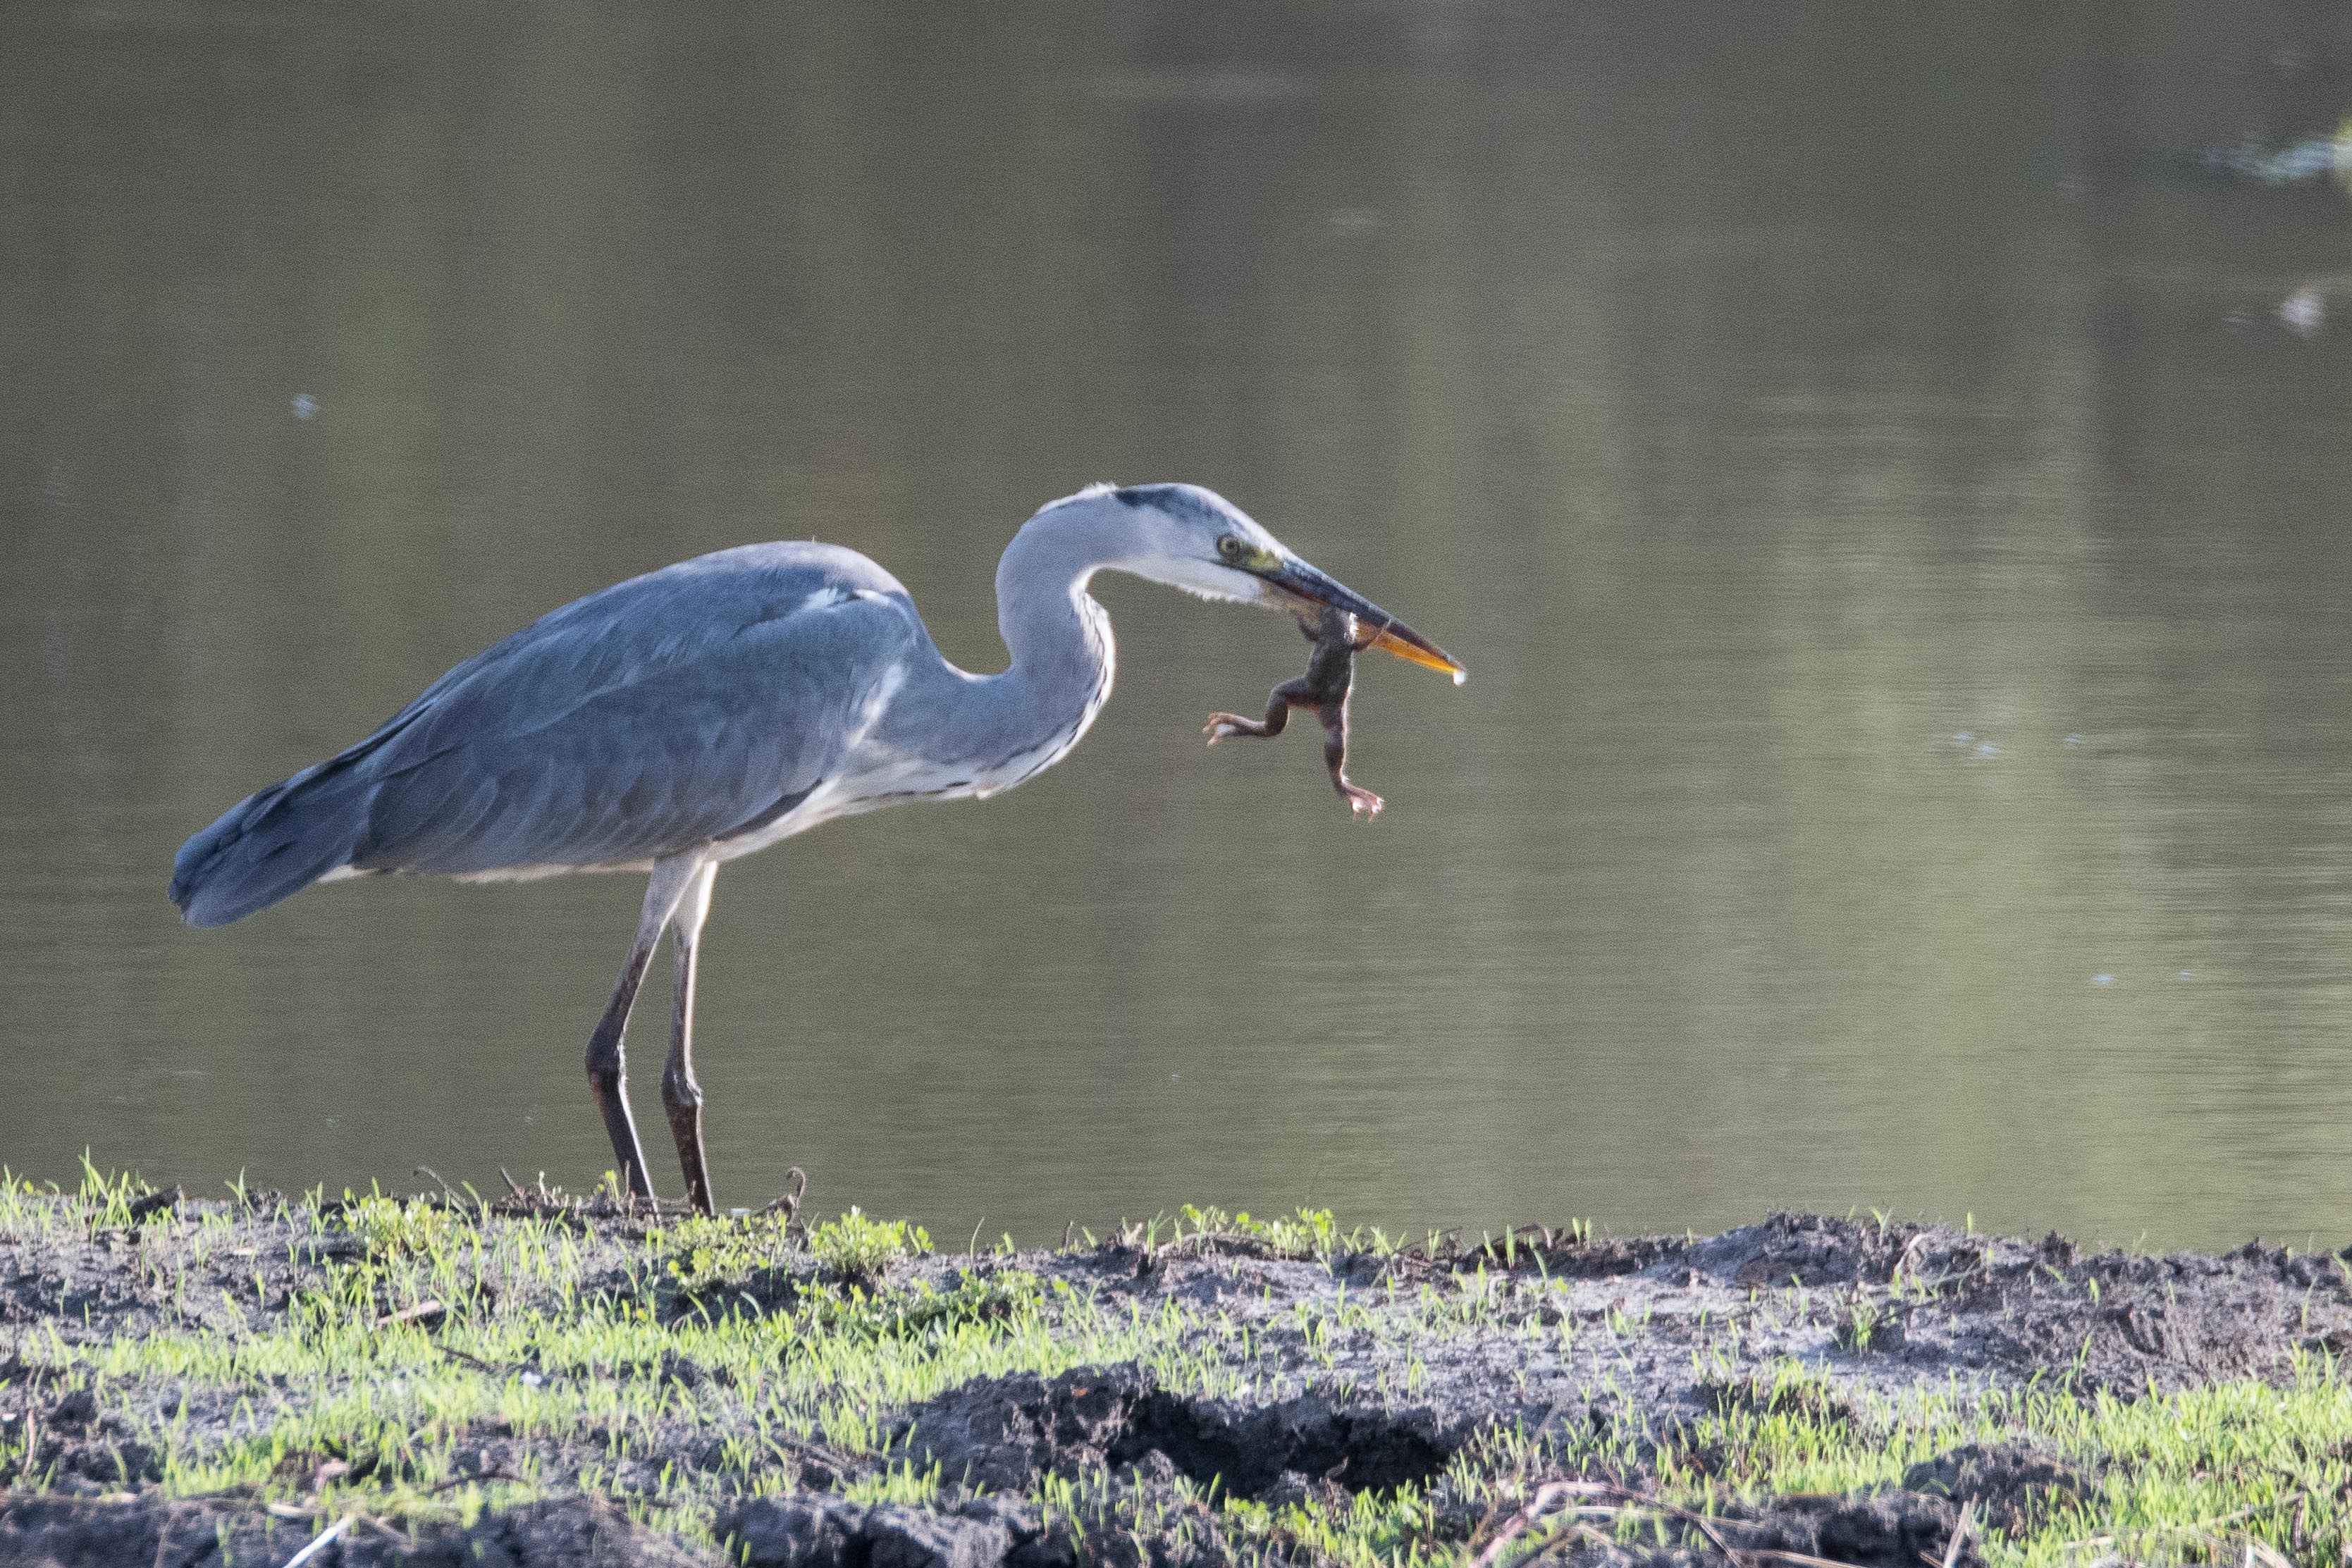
{"x":1757,"y":403}
{"x":2314,"y":158}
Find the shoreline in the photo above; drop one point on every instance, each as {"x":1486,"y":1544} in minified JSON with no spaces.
{"x":555,"y":1380}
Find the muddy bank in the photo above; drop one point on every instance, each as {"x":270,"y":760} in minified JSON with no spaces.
{"x":564,"y":1384}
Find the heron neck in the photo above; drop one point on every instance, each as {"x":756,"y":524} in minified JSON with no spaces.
{"x":999,"y":729}
{"x":1059,"y":637}
{"x":1054,"y":629}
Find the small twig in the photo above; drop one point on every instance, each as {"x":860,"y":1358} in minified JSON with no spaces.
{"x":513,"y":1185}
{"x":841,"y":1464}
{"x":1705,"y":1526}
{"x":1708,"y":1529}
{"x":1551,"y":1492}
{"x":2199,"y":1527}
{"x":320,"y":1542}
{"x":1959,"y":1529}
{"x":163,"y":1534}
{"x":495,"y":1473}
{"x":427,"y":1170}
{"x":105,"y":1500}
{"x":787,"y":1204}
{"x":1201,"y":1241}
{"x":1535,"y":1238}
{"x":1532,"y":1513}
{"x":427,"y":1308}
{"x":473,"y":1361}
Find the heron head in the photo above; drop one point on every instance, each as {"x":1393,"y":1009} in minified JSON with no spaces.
{"x":1195,"y":540}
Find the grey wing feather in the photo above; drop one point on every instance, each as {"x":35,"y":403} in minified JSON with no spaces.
{"x":667,"y":712}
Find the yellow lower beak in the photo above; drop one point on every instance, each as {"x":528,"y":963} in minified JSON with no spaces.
{"x":1428,"y":658}
{"x":1301,"y":580}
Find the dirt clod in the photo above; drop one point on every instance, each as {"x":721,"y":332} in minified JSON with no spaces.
{"x":51,"y":1531}
{"x":819,"y":1531}
{"x":1888,"y":1530}
{"x":1005,"y":1433}
{"x":2005,"y":1480}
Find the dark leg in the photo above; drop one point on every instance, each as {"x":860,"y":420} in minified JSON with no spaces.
{"x":1278,"y":704}
{"x":681,"y":1096}
{"x":1335,"y":757}
{"x":608,"y":1076}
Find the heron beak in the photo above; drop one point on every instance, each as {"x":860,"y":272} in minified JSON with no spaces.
{"x":1302,"y":584}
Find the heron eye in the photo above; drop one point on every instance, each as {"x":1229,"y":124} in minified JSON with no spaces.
{"x":1230,"y":548}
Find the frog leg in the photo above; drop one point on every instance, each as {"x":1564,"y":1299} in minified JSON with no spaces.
{"x":1278,"y":704}
{"x":1335,"y":757}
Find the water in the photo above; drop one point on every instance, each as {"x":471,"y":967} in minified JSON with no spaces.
{"x":1900,"y":550}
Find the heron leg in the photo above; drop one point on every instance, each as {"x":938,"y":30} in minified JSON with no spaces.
{"x":681,"y":1096}
{"x":608,"y":1075}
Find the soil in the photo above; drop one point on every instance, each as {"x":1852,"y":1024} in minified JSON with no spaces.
{"x":1666,"y":1329}
{"x":41,"y":1530}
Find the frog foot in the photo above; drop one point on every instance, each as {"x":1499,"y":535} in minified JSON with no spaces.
{"x":1221,"y":725}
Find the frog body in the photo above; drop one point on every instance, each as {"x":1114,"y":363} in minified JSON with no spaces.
{"x":1322,"y":690}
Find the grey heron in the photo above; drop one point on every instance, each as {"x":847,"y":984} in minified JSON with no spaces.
{"x":680,"y":720}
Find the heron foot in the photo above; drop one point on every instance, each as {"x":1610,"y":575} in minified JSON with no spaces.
{"x":610,"y":1086}
{"x":1361,"y":802}
{"x":684,"y":1105}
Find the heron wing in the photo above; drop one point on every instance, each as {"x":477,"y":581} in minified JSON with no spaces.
{"x":689,"y":705}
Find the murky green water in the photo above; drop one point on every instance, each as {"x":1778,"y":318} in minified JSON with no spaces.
{"x":1901,"y":554}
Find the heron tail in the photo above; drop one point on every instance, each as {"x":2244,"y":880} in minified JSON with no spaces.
{"x":274,"y":842}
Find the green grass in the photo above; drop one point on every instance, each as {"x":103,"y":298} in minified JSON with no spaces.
{"x":2189,"y":1477}
{"x":315,"y":1374}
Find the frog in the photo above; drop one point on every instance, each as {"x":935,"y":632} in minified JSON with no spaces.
{"x":1323,"y":689}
